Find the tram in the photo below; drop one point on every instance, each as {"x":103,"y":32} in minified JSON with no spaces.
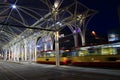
{"x":48,"y":57}
{"x":105,"y":55}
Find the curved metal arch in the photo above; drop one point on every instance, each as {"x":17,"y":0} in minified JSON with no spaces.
{"x":72,"y":15}
{"x":29,"y":14}
{"x":5,"y":39}
{"x":5,"y":10}
{"x":40,"y":40}
{"x":70,"y":19}
{"x":7,"y":35}
{"x":46,"y":21}
{"x":19,"y":21}
{"x":31,"y":10}
{"x":9,"y":32}
{"x":48,"y":3}
{"x":11,"y":28}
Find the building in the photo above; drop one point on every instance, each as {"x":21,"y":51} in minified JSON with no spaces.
{"x":114,"y":35}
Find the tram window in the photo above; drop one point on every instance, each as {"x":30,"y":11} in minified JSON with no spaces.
{"x":82,"y":53}
{"x":98,"y":51}
{"x":47,"y":55}
{"x":91,"y":51}
{"x":107,"y":51}
{"x":50,"y":54}
{"x":40,"y":55}
{"x":118,"y":50}
{"x":64,"y":54}
{"x":73,"y":53}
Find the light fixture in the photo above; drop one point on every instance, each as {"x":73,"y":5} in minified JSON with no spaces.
{"x":56,"y":4}
{"x":14,"y":6}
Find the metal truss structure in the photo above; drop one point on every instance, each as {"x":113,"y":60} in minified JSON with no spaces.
{"x":24,"y":22}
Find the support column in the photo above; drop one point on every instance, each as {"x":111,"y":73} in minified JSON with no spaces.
{"x":9,"y":55}
{"x":30,"y":54}
{"x":5,"y":56}
{"x":76,"y":39}
{"x":12,"y":57}
{"x":83,"y":40}
{"x":18,"y":52}
{"x":22,"y":50}
{"x":57,"y":49}
{"x":35,"y":53}
{"x":25,"y":52}
{"x":14,"y":53}
{"x":25,"y":48}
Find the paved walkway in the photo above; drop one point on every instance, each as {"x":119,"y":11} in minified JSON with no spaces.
{"x":33,"y":71}
{"x":83,"y":69}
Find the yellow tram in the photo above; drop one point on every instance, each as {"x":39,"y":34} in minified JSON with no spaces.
{"x":98,"y":55}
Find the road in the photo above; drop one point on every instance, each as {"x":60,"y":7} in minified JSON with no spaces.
{"x":33,"y":71}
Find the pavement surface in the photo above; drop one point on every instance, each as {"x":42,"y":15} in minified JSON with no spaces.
{"x":33,"y":71}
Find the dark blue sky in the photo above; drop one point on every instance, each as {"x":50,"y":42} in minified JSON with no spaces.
{"x":107,"y":16}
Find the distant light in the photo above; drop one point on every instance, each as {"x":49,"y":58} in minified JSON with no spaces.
{"x":113,"y":37}
{"x":59,"y":23}
{"x":67,"y":50}
{"x":74,"y":31}
{"x":93,"y":32}
{"x":38,"y":46}
{"x":49,"y":52}
{"x":14,"y":6}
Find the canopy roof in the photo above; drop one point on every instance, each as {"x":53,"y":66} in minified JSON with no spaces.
{"x":18,"y":15}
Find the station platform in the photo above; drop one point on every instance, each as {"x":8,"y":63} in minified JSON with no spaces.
{"x":34,"y":71}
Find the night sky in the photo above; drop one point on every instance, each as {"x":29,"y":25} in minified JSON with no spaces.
{"x":107,"y":16}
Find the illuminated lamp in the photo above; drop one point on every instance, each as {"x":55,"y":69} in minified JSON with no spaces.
{"x":14,"y":6}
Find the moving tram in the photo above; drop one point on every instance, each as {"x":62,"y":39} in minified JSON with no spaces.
{"x":48,"y":57}
{"x":105,"y":55}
